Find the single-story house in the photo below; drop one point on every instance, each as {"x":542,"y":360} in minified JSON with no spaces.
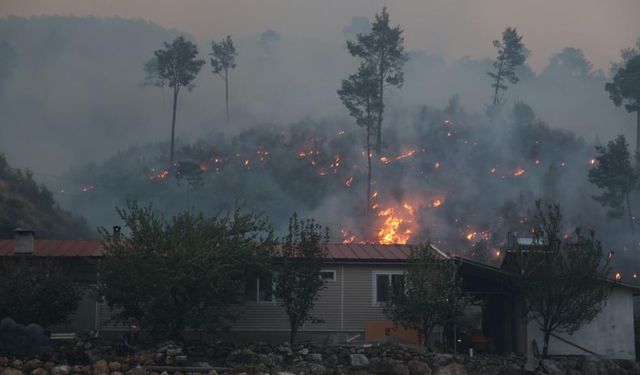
{"x":350,"y":306}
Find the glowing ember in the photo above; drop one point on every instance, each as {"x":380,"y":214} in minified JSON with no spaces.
{"x":88,"y":188}
{"x":592,"y":161}
{"x":493,"y":170}
{"x":618,"y":276}
{"x":341,"y":132}
{"x":158,"y":175}
{"x":537,"y":162}
{"x":498,"y":253}
{"x":436,"y":165}
{"x":385,"y":160}
{"x":348,"y":182}
{"x":518,"y":172}
{"x":562,"y":164}
{"x":436,"y":202}
{"x":347,"y":236}
{"x":302,"y":154}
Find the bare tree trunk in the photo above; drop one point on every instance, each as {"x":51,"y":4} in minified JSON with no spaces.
{"x":495,"y":93}
{"x":545,"y":344}
{"x":629,"y":213}
{"x":637,"y":134}
{"x":226,"y":92}
{"x":380,"y":114}
{"x":368,"y":211}
{"x":176,"y":90}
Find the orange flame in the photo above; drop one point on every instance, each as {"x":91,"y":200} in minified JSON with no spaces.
{"x":518,"y":172}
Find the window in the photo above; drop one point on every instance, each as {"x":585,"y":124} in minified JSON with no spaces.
{"x":259,"y":290}
{"x":383,"y":281}
{"x":328,"y":275}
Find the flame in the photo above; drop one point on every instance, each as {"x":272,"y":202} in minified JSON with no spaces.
{"x":385,"y":160}
{"x":403,"y":155}
{"x":347,"y":236}
{"x":436,"y":165}
{"x":436,"y":202}
{"x":592,"y":161}
{"x":159,"y":175}
{"x":537,"y":162}
{"x":397,"y":225}
{"x":518,"y":172}
{"x":302,"y":154}
{"x":618,"y":276}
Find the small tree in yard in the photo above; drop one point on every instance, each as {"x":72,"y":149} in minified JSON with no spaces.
{"x":431,"y":294}
{"x":187,"y":272}
{"x":36,"y":291}
{"x":298,"y":268}
{"x":565,"y":282}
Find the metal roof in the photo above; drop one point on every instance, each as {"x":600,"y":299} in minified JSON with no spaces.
{"x":337,"y":252}
{"x":57,"y":248}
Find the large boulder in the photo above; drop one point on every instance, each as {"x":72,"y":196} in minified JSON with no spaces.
{"x":552,"y":367}
{"x":101,"y":368}
{"x":418,"y":367}
{"x":452,"y":369}
{"x":358,"y":360}
{"x":60,"y":370}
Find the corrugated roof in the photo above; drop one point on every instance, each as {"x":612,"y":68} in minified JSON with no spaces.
{"x":372,"y":252}
{"x":57,"y":248}
{"x":337,"y":252}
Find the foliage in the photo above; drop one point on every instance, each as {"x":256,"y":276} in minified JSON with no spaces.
{"x":186,"y":272}
{"x":571,"y":62}
{"x":175,"y":66}
{"x":28,"y":204}
{"x":223,"y":59}
{"x":625,"y":87}
{"x":381,"y":51}
{"x":34,"y":290}
{"x":564,"y":281}
{"x":613,"y":173}
{"x":511,"y":54}
{"x":297,"y":267}
{"x":430,"y":295}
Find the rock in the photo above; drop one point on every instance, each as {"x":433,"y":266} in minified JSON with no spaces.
{"x":452,"y":369}
{"x":11,"y":371}
{"x":17,"y":364}
{"x":552,"y":367}
{"x":358,"y":360}
{"x":441,"y":360}
{"x":573,"y":371}
{"x":87,"y":370}
{"x":117,"y":373}
{"x":48,"y":365}
{"x":213,"y":372}
{"x":303,"y":351}
{"x":101,"y":368}
{"x":32,"y":364}
{"x":136,"y":371}
{"x":531,"y":365}
{"x":39,"y":371}
{"x":400,"y":369}
{"x":115,"y":366}
{"x":173,"y":351}
{"x":332,"y":360}
{"x":418,"y":368}
{"x":60,"y":370}
{"x":314,"y":357}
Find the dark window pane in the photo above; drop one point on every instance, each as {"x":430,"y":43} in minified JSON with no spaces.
{"x":328,"y":275}
{"x":251,"y":290}
{"x":397,"y":282}
{"x":382,"y":288}
{"x":266,"y":289}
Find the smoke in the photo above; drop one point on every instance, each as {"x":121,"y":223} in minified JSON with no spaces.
{"x":75,"y":111}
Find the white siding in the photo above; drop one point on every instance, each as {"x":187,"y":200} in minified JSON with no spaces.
{"x":610,"y":334}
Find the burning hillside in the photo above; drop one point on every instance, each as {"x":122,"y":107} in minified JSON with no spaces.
{"x":451,"y":178}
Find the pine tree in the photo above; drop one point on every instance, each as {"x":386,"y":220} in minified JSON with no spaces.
{"x":511,"y":54}
{"x":223,"y":59}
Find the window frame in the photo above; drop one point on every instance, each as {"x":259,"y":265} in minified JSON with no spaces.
{"x":257,"y":301}
{"x":374,"y":282}
{"x":331,"y":280}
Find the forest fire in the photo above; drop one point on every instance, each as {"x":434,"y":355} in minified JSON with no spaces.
{"x":395,"y":229}
{"x":158,"y":175}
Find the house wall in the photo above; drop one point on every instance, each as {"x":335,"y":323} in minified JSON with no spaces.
{"x":610,"y":334}
{"x":345,"y":305}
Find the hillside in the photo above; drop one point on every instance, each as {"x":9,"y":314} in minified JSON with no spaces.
{"x":27,"y":204}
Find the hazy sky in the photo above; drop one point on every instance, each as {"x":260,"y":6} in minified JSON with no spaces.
{"x":453,"y":28}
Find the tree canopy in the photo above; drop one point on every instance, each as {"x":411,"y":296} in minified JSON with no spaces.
{"x":511,"y":54}
{"x":185,"y":272}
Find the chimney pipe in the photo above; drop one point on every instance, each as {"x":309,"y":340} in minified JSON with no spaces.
{"x":116,"y":233}
{"x":23,"y":241}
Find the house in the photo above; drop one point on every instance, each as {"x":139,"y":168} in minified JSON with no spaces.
{"x":357,"y":280}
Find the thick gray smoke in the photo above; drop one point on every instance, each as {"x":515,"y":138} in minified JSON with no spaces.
{"x":74,"y":101}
